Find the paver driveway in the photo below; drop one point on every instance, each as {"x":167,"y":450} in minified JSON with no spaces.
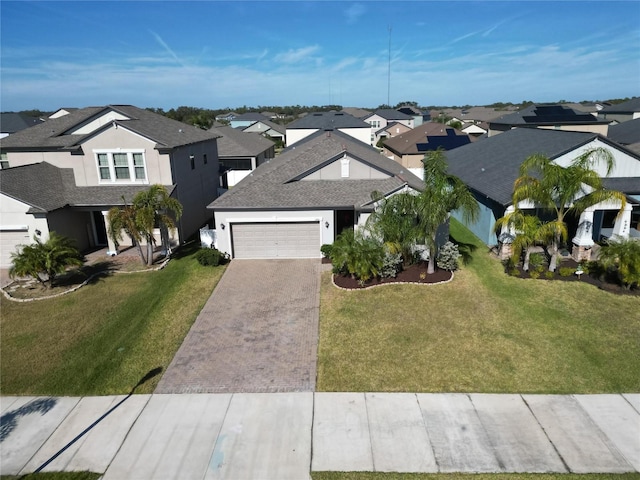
{"x":258,"y":332}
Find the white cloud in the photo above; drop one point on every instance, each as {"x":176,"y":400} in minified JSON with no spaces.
{"x":297,"y":55}
{"x":354,"y":12}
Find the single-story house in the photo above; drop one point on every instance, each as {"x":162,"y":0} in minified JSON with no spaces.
{"x":627,"y":134}
{"x":325,"y":122}
{"x":240,"y":153}
{"x":246,"y":119}
{"x":552,"y":117}
{"x":490,"y":168}
{"x":291,"y":205}
{"x":269,"y":129}
{"x":621,"y":112}
{"x":66,"y":173}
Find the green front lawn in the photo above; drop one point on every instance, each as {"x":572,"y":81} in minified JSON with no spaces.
{"x":103,"y":338}
{"x":483,"y":332}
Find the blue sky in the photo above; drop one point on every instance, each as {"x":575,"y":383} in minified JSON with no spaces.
{"x":217,"y":54}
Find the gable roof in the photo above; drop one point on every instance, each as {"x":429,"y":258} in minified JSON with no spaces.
{"x":327,"y":121}
{"x":236,"y":143}
{"x":391,"y":114}
{"x":625,"y":133}
{"x":276,"y":185}
{"x":425,"y":137}
{"x":50,"y":135}
{"x":356,"y":112}
{"x":491,"y":166}
{"x":251,"y":116}
{"x":547,"y":115}
{"x":46,"y":188}
{"x":272,"y":126}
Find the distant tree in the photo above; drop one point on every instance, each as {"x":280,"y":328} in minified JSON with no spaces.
{"x":455,"y":124}
{"x":44,"y":261}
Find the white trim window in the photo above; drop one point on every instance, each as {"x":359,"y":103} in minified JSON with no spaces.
{"x":121,"y":166}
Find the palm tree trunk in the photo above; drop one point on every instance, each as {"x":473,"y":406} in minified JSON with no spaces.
{"x":527,"y":256}
{"x":431,"y":267}
{"x":553,"y":262}
{"x":141,"y":252}
{"x":149,"y":251}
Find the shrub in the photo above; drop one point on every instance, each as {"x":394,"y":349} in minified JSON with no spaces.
{"x":362,"y":257}
{"x":534,"y":274}
{"x":514,"y":272}
{"x":392,"y":265}
{"x":623,"y":255}
{"x":211,"y":257}
{"x":536,"y":260}
{"x":448,"y":256}
{"x":548,"y":275}
{"x":566,"y":271}
{"x":326,"y":250}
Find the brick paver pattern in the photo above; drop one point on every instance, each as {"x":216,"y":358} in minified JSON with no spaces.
{"x":258,"y":332}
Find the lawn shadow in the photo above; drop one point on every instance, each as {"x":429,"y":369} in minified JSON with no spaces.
{"x":466,"y":250}
{"x":9,"y":421}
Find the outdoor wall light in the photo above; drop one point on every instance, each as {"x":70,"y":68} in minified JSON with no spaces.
{"x":222,"y":226}
{"x":38,"y":232}
{"x":326,"y":224}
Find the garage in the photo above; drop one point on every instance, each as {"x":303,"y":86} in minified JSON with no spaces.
{"x":9,"y":241}
{"x":276,"y":240}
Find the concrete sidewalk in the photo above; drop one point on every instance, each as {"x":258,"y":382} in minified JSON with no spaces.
{"x":287,"y":435}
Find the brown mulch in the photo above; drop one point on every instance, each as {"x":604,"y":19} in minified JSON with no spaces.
{"x":416,"y":273}
{"x":606,"y":282}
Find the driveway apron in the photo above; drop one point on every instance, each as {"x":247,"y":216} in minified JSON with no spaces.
{"x":258,"y":332}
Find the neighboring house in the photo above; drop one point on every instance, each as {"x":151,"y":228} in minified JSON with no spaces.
{"x":61,"y":112}
{"x":226,"y":117}
{"x":409,"y":148}
{"x":627,"y":134}
{"x":383,"y":117}
{"x":391,"y":130}
{"x":246,"y":119}
{"x":14,"y":122}
{"x":269,"y":129}
{"x":65,"y":174}
{"x":475,"y":115}
{"x":356,"y":112}
{"x":328,"y":121}
{"x":293,"y":204}
{"x":490,"y":167}
{"x":475,"y":130}
{"x":419,"y":116}
{"x":551,"y":117}
{"x":589,"y":107}
{"x":240,"y":153}
{"x":622,"y":112}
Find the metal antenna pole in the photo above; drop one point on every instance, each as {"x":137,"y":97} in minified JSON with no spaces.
{"x":389,"y":72}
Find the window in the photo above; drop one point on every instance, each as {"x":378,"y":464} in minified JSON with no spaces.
{"x":121,"y":166}
{"x":204,"y":157}
{"x":375,"y":123}
{"x":193,"y":162}
{"x":4,"y":163}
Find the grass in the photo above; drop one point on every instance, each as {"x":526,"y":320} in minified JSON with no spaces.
{"x":103,"y":338}
{"x":463,"y":476}
{"x":483,"y":332}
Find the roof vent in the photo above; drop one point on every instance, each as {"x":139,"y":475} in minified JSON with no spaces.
{"x":180,"y":130}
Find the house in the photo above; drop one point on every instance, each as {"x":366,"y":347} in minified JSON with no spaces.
{"x":627,"y":134}
{"x":268,"y":129}
{"x":240,"y":153}
{"x":246,"y":119}
{"x":475,"y":130}
{"x":14,"y":122}
{"x":328,"y":121}
{"x":226,"y":117}
{"x":419,"y":116}
{"x":66,"y":173}
{"x":490,"y":167}
{"x":469,"y":115}
{"x":393,"y":129}
{"x":409,"y":148}
{"x":289,"y":206}
{"x":552,"y":117}
{"x":356,"y":112}
{"x":383,"y":117}
{"x":622,"y":112}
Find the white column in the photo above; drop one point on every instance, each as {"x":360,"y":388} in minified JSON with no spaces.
{"x":623,"y":223}
{"x":584,"y":234}
{"x":111,"y":250}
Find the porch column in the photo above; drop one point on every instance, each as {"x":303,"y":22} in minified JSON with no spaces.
{"x":506,"y":237}
{"x":112,"y":249}
{"x":583,"y":241}
{"x":623,"y":223}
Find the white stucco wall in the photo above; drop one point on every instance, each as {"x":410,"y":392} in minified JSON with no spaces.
{"x":625,"y":164}
{"x":362,"y":134}
{"x":294,"y":135}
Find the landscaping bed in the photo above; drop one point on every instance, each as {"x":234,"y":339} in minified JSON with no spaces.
{"x":416,"y":273}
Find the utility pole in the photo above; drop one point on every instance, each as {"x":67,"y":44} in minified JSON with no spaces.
{"x":389,"y":72}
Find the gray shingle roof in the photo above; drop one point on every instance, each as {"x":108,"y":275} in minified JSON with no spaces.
{"x":235,"y":143}
{"x":630,"y":106}
{"x":274,"y":185}
{"x":407,"y":143}
{"x":14,"y":122}
{"x":491,"y":166}
{"x":391,"y":114}
{"x":46,"y":188}
{"x":547,"y":115}
{"x":328,"y":121}
{"x":625,"y":133}
{"x":50,"y":135}
{"x":253,"y":116}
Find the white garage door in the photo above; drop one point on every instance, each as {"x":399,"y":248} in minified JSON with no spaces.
{"x":276,"y":240}
{"x":9,"y":242}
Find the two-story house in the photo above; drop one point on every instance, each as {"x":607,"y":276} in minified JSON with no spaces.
{"x":383,"y":117}
{"x":65,"y":174}
{"x":325,"y":122}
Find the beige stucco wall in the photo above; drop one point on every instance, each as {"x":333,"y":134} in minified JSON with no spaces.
{"x":601,"y":129}
{"x":73,"y":224}
{"x":357,"y":171}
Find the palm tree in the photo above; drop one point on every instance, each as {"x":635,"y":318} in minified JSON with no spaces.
{"x":443,"y":194}
{"x":529,"y":231}
{"x":395,"y":223}
{"x":44,"y":261}
{"x":125,"y":219}
{"x":624,"y":255}
{"x":155,"y":208}
{"x":564,"y":189}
